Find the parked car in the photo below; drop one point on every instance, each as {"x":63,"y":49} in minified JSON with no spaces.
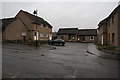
{"x":56,"y":41}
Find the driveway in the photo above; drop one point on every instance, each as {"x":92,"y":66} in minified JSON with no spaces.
{"x":69,"y":61}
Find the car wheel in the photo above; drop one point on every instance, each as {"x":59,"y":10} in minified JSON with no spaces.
{"x":62,"y":44}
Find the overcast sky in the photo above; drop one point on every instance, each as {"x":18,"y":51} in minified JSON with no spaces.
{"x":63,"y":14}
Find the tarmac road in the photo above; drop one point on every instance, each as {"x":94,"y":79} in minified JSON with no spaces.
{"x":69,"y":61}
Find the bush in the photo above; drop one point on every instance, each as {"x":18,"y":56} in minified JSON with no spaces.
{"x":98,"y":44}
{"x":99,"y":47}
{"x":109,"y":47}
{"x":106,"y":47}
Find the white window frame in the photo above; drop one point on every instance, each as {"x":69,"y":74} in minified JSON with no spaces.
{"x":91,"y":38}
{"x":41,"y":34}
{"x":23,"y":33}
{"x":46,"y":35}
{"x":46,"y":26}
{"x":41,"y":25}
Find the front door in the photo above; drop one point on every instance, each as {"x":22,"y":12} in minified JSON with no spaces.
{"x":24,"y":38}
{"x":35,"y":35}
{"x":82,"y":39}
{"x":69,"y":37}
{"x":102,"y":40}
{"x":50,"y":36}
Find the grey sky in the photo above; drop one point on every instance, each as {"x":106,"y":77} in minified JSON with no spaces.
{"x":63,"y":14}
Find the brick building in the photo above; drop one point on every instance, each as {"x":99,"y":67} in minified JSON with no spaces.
{"x":68,"y":34}
{"x":87,"y":35}
{"x":77,"y":35}
{"x":26,"y":27}
{"x":109,"y":29}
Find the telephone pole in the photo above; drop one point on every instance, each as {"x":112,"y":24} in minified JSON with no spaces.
{"x":35,"y":12}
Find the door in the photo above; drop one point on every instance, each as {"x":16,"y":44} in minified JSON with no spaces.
{"x":35,"y":35}
{"x":102,"y":40}
{"x":24,"y":38}
{"x":50,"y":36}
{"x":69,"y":37}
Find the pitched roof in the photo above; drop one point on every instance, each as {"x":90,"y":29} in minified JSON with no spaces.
{"x":67,"y":31}
{"x":36,"y":19}
{"x":111,"y":14}
{"x":114,"y":11}
{"x":6,"y":22}
{"x":87,"y":32}
{"x":102,"y":22}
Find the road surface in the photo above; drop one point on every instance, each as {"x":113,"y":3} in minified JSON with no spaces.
{"x":69,"y":61}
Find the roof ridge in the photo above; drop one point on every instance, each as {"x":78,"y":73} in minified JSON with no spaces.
{"x":87,"y":29}
{"x":31,"y":14}
{"x":36,"y":19}
{"x":68,"y":28}
{"x":9,"y":18}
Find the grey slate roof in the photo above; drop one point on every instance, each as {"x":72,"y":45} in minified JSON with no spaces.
{"x":87,"y":32}
{"x":79,"y":32}
{"x":36,"y":19}
{"x":6,"y":22}
{"x":62,"y":31}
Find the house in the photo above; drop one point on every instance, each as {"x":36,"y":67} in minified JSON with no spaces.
{"x":102,"y":32}
{"x":26,"y":27}
{"x":109,"y":29}
{"x":77,"y":35}
{"x":87,"y":35}
{"x":68,"y":34}
{"x":12,"y":29}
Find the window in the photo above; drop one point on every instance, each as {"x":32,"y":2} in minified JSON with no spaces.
{"x":69,"y":36}
{"x":112,"y":19}
{"x":109,"y":23}
{"x":113,"y":37}
{"x":41,"y":25}
{"x":41,"y":34}
{"x":91,"y":38}
{"x":82,"y":38}
{"x":109,"y":37}
{"x":46,"y":35}
{"x":23,"y":33}
{"x":46,"y":26}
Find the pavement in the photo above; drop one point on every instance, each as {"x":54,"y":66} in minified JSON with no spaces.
{"x":69,"y":61}
{"x":92,"y":49}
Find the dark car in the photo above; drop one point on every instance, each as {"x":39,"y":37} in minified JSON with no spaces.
{"x":57,"y":41}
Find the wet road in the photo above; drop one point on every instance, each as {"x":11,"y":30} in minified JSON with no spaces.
{"x":69,"y":61}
